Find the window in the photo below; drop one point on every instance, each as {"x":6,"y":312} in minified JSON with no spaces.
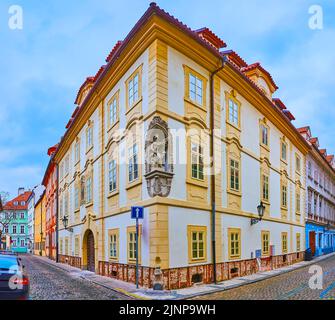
{"x":133,"y":163}
{"x":76,"y":246}
{"x":114,"y":244}
{"x":22,"y":243}
{"x":89,"y":137}
{"x":298,"y":242}
{"x":66,"y":246}
{"x":66,"y":204}
{"x":16,"y":203}
{"x":22,"y":229}
{"x":234,"y":175}
{"x":309,"y":169}
{"x":77,"y":152}
{"x":133,"y":89}
{"x":6,"y":230}
{"x":283,"y":151}
{"x":265,"y":135}
{"x":284,"y":242}
{"x":297,"y":202}
{"x":234,"y":243}
{"x":233,"y":110}
{"x":112,"y":176}
{"x":14,"y":215}
{"x":113,"y":110}
{"x":22,"y":215}
{"x":265,"y":188}
{"x":76,"y":197}
{"x":14,"y":242}
{"x":197,"y":161}
{"x":284,"y":196}
{"x":265,"y":243}
{"x":61,"y":205}
{"x":14,"y":229}
{"x":297,"y":164}
{"x":23,"y":203}
{"x":196,"y":89}
{"x":61,"y":246}
{"x":197,"y":243}
{"x":67,"y":164}
{"x":132,"y":244}
{"x":89,"y":190}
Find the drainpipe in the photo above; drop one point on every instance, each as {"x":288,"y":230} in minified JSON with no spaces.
{"x":57,"y":177}
{"x":212,"y":112}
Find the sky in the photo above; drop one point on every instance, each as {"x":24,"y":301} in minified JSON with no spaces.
{"x":62,"y":42}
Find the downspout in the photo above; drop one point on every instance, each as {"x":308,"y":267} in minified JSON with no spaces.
{"x":57,"y":177}
{"x":213,"y":206}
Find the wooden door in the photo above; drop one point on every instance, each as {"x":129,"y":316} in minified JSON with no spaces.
{"x":90,"y":252}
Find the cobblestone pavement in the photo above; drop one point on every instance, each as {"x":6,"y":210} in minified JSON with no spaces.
{"x":48,"y":282}
{"x":289,"y":286}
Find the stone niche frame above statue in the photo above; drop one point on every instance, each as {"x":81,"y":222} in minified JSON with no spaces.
{"x":158,"y":158}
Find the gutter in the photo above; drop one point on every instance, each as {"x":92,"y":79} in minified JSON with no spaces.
{"x":212,"y":157}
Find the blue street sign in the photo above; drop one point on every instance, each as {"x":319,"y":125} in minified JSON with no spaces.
{"x":258,"y":253}
{"x":137,"y":212}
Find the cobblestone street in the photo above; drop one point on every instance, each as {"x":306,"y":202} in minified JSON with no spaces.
{"x":289,"y":286}
{"x":48,"y":282}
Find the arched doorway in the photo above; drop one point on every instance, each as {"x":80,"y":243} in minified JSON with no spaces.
{"x":89,"y":251}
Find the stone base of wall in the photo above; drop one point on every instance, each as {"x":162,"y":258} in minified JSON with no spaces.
{"x":72,"y":261}
{"x":177,"y":278}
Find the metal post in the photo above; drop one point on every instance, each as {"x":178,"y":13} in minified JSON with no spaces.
{"x":137,"y":250}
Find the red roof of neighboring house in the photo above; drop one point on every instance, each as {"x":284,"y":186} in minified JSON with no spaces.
{"x":22,"y":197}
{"x":257,"y":65}
{"x":280,"y":104}
{"x":288,"y":114}
{"x":323,"y":152}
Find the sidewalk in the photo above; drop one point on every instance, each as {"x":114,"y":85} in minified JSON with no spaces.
{"x":130,"y":290}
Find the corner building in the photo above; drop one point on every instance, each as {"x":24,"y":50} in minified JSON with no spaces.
{"x":165,"y":76}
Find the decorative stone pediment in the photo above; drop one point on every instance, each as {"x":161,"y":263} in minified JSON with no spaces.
{"x":158,"y":158}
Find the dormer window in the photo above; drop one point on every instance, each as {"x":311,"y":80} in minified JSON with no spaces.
{"x":16,"y":203}
{"x":23,"y":203}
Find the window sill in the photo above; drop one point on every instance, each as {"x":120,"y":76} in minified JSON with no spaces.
{"x":196,"y":182}
{"x":89,"y":149}
{"x":194,"y":261}
{"x":133,"y":106}
{"x":133,"y":184}
{"x":264,"y":146}
{"x":111,"y":127}
{"x":114,"y":260}
{"x":233,"y":125}
{"x":133,"y":262}
{"x":90,"y":204}
{"x":283,"y":160}
{"x":195,"y":104}
{"x":235,"y":193}
{"x":234,"y":258}
{"x":112,"y":194}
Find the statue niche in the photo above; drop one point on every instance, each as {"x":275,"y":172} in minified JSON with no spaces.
{"x":158,"y":158}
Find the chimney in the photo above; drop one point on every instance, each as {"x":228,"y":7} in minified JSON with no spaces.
{"x":20,"y":191}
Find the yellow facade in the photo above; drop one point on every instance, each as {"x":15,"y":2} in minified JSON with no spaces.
{"x":156,"y":38}
{"x":39,"y":227}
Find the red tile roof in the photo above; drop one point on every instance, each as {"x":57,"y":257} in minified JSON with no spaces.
{"x":257,"y":65}
{"x":87,"y":81}
{"x":280,"y":104}
{"x":111,"y":54}
{"x":211,"y":38}
{"x":22,"y":197}
{"x":235,"y":58}
{"x":330,"y":158}
{"x":304,"y":129}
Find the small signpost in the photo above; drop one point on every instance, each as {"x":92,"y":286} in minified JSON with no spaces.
{"x":137,"y":213}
